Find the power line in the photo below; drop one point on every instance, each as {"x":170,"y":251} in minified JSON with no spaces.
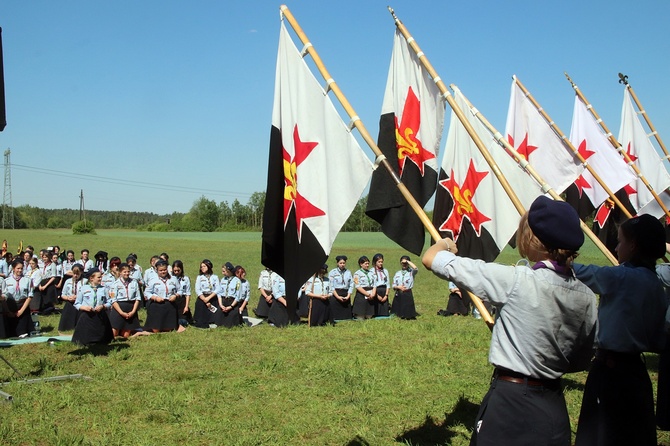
{"x":145,"y":184}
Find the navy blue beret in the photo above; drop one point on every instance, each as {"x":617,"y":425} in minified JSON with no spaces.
{"x":555,"y":223}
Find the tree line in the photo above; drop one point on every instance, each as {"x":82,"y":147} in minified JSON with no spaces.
{"x":205,"y":215}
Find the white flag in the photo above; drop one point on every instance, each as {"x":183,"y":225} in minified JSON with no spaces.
{"x":587,"y":136}
{"x":532,"y":137}
{"x":634,"y":140}
{"x":471,"y":206}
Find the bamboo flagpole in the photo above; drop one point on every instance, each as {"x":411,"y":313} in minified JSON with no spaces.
{"x":618,"y":147}
{"x":502,"y":141}
{"x":569,"y":146}
{"x":380,"y":158}
{"x":623,"y":79}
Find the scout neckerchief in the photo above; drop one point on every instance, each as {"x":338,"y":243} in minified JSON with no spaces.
{"x":342,"y":271}
{"x":17,"y":289}
{"x":126,"y":285}
{"x":366,"y":271}
{"x":165,"y":283}
{"x":381,"y":273}
{"x":553,"y":265}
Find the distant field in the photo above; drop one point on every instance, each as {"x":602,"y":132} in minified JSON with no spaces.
{"x":379,"y":382}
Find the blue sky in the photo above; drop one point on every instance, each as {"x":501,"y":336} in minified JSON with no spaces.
{"x":147,"y":105}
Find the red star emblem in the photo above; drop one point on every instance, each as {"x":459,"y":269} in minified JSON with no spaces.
{"x":463,"y":205}
{"x":581,"y":183}
{"x":630,"y":154}
{"x":584,"y":151}
{"x":292,"y":197}
{"x":603,"y":212}
{"x":524,"y":149}
{"x":405,"y":134}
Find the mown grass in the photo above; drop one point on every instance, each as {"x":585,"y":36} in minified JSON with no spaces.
{"x":378,"y":382}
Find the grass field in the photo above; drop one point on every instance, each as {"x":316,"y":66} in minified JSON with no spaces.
{"x":378,"y":382}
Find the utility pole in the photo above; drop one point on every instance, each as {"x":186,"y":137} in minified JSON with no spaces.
{"x":82,"y":209}
{"x":7,"y":206}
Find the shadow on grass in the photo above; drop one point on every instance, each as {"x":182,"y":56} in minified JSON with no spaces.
{"x":429,"y":433}
{"x":99,"y":349}
{"x":358,"y":441}
{"x":571,"y":384}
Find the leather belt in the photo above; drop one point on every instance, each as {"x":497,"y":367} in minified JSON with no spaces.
{"x":518,"y":378}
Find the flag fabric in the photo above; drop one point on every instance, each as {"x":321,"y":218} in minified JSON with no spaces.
{"x":3,"y":114}
{"x":589,"y":139}
{"x":316,"y":174}
{"x":635,"y":141}
{"x":471,"y":206}
{"x":534,"y":139}
{"x":410,"y":130}
{"x":608,"y":218}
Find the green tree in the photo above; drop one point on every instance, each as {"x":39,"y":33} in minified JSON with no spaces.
{"x":256,"y":205}
{"x":204,"y":214}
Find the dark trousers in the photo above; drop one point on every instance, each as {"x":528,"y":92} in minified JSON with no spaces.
{"x":520,"y":414}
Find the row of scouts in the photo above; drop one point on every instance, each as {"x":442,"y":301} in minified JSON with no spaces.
{"x":549,"y":321}
{"x":338,"y":295}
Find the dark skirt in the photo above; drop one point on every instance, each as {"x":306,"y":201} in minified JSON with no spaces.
{"x":618,"y":403}
{"x":68,"y":317}
{"x":381,"y":308}
{"x":119,"y":322}
{"x":181,"y":305}
{"x":15,"y":327}
{"x":203,"y":316}
{"x":161,"y":316}
{"x":278,"y":314}
{"x":663,"y":390}
{"x":44,"y":301}
{"x":319,"y":312}
{"x":263,"y":308}
{"x":363,"y":307}
{"x":228,"y":319}
{"x":459,"y":304}
{"x":93,"y":328}
{"x":303,"y":305}
{"x":340,"y":311}
{"x":403,"y":304}
{"x":3,"y":331}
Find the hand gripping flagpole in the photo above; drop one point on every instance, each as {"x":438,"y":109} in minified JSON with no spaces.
{"x":623,"y":79}
{"x":502,"y":141}
{"x":566,"y":142}
{"x":618,"y":147}
{"x":381,"y":159}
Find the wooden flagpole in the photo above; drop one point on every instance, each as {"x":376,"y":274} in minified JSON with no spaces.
{"x":502,"y":141}
{"x":617,"y":146}
{"x":623,"y":79}
{"x":380,"y":158}
{"x":568,"y":144}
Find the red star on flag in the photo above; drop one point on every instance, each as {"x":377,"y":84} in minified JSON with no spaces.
{"x":463,"y":205}
{"x":292,"y":197}
{"x":524,"y":149}
{"x":582,"y":184}
{"x":630,"y":154}
{"x":584,"y":151}
{"x":603,"y":213}
{"x":409,"y":147}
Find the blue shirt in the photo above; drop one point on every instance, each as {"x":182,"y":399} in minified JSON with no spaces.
{"x":632,"y":307}
{"x":122,"y":291}
{"x":92,"y":297}
{"x":341,"y":280}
